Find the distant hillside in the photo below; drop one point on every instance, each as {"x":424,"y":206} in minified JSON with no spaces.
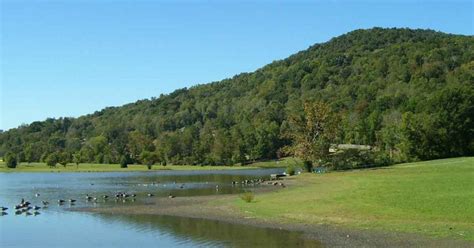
{"x":408,"y":92}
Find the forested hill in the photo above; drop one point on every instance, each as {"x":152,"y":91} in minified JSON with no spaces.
{"x":409,"y":93}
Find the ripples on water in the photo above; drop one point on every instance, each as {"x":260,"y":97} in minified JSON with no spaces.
{"x":54,"y":227}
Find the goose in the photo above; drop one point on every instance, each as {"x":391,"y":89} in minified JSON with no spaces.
{"x":36,"y":213}
{"x":4,"y":209}
{"x":133,"y":195}
{"x":105,"y":196}
{"x":171,"y":196}
{"x":26,"y":204}
{"x":28,"y":208}
{"x":3,"y":213}
{"x":61,"y":201}
{"x":150,"y":195}
{"x":37,"y":195}
{"x":36,"y":208}
{"x":18,"y":207}
{"x":182,"y":186}
{"x":45,"y":203}
{"x":22,"y":201}
{"x":88,"y":197}
{"x":72,"y":200}
{"x":18,"y":212}
{"x":28,"y":213}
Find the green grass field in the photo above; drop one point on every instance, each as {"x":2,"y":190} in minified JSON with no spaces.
{"x":435,"y":198}
{"x":42,"y":167}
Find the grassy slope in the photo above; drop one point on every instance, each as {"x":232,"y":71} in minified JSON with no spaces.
{"x":42,"y":167}
{"x":434,"y":198}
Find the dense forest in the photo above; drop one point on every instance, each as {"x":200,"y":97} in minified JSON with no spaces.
{"x":409,"y":94}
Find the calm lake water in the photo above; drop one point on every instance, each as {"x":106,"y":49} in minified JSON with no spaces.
{"x":54,"y":226}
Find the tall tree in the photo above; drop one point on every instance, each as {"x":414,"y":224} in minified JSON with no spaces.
{"x":313,"y":132}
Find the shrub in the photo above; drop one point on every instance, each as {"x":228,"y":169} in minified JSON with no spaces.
{"x":52,"y":159}
{"x":308,"y":165}
{"x":124,"y":162}
{"x":290,"y":170}
{"x":149,"y":166}
{"x":247,"y":197}
{"x":11,"y":160}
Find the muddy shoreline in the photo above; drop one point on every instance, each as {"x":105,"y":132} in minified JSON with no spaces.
{"x":328,"y":235}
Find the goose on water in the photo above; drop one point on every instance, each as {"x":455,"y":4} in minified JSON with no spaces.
{"x":88,"y":197}
{"x":4,"y":209}
{"x":72,"y":200}
{"x":36,"y":208}
{"x":37,"y":195}
{"x":61,"y":201}
{"x":45,"y":203}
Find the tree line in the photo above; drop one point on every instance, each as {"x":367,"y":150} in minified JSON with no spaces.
{"x":407,"y":93}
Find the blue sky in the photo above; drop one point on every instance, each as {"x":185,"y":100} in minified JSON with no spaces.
{"x":73,"y":57}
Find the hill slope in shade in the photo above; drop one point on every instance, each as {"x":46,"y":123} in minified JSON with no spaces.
{"x":408,"y":92}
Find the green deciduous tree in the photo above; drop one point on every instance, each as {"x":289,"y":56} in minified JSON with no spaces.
{"x":52,"y":159}
{"x":11,"y":160}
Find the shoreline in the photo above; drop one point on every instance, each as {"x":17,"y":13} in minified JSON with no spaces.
{"x":199,"y":207}
{"x":36,"y":167}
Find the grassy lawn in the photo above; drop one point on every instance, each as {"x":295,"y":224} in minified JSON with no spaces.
{"x":435,"y":198}
{"x":42,"y":167}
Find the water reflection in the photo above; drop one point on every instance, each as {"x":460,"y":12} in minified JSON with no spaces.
{"x":215,"y":233}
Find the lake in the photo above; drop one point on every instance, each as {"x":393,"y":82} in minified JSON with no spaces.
{"x":55,"y":226}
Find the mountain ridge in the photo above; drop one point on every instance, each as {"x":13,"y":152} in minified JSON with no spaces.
{"x":373,"y":77}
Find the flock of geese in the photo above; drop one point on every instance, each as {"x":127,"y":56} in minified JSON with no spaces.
{"x":25,"y":207}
